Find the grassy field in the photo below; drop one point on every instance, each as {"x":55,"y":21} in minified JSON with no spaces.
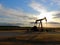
{"x":24,"y":36}
{"x":37,"y":38}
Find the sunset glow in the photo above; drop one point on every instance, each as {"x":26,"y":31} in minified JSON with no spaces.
{"x":25,"y":12}
{"x":47,"y":15}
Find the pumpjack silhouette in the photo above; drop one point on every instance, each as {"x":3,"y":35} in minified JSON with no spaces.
{"x":40,"y":24}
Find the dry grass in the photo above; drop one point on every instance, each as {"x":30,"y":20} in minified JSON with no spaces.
{"x":40,"y":37}
{"x":48,"y":37}
{"x":33,"y":36}
{"x":8,"y":43}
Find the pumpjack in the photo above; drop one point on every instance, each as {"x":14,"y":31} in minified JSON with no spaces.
{"x":40,"y":22}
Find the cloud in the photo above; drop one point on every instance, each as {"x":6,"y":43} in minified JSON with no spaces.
{"x":53,"y":23}
{"x":49,"y":24}
{"x":19,"y":16}
{"x":57,"y":15}
{"x":52,"y":2}
{"x":44,"y":12}
{"x":38,"y":7}
{"x":44,"y":1}
{"x":56,"y":2}
{"x":32,"y":22}
{"x":52,"y":16}
{"x":15,"y":16}
{"x":10,"y":24}
{"x":0,"y":6}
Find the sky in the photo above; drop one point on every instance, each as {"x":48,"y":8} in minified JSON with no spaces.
{"x":25,"y":12}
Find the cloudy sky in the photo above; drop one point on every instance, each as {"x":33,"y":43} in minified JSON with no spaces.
{"x":25,"y":12}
